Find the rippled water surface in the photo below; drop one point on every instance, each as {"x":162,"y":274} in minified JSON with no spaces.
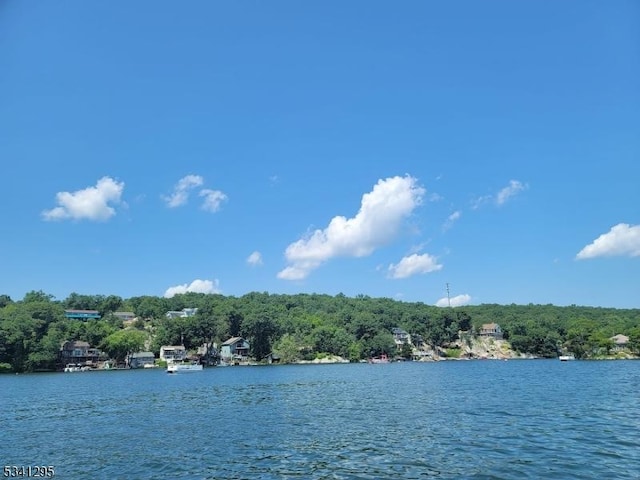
{"x":446,"y":420}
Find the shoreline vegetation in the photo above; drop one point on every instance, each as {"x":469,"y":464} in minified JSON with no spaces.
{"x":306,"y":328}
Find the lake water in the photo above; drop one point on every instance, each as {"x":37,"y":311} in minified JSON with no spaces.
{"x":447,"y":420}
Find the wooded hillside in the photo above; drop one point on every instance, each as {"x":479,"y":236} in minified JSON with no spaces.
{"x":295,"y":326}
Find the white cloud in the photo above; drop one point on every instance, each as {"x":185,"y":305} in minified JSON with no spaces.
{"x":181,"y":190}
{"x":413,"y":265}
{"x":212,"y":199}
{"x":451,"y":219}
{"x":480,"y":201}
{"x":377,"y":222}
{"x":255,"y":259}
{"x":92,"y":203}
{"x":456,"y":301}
{"x":622,"y":240}
{"x":197,"y":286}
{"x":509,"y":191}
{"x":503,"y":195}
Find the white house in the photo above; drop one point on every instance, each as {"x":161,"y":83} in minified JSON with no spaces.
{"x":184,"y":313}
{"x":173,"y":353}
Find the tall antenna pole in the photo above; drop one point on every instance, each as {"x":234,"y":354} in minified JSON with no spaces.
{"x":448,"y":296}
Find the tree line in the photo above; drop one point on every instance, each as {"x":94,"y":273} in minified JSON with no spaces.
{"x":300,"y":326}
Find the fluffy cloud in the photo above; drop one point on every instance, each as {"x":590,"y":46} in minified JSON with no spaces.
{"x":622,"y":240}
{"x":456,"y":301}
{"x":255,"y":259}
{"x":92,"y":203}
{"x":181,"y":190}
{"x":413,"y":265}
{"x":212,"y":199}
{"x":377,"y":222}
{"x":197,"y":286}
{"x":509,"y":191}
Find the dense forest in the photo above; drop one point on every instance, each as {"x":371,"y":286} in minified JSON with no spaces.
{"x":294,"y":326}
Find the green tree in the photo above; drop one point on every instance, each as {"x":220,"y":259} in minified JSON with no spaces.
{"x":260,"y":329}
{"x":124,"y":342}
{"x":406,"y":351}
{"x":37,"y":296}
{"x":287,"y":349}
{"x":5,"y":300}
{"x":109,"y":304}
{"x":334,"y":340}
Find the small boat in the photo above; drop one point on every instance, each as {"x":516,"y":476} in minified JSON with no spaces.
{"x":183,"y":367}
{"x":381,"y":359}
{"x":73,"y":367}
{"x":566,"y":358}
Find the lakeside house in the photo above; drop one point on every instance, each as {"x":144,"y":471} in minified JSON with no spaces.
{"x":400,"y":337}
{"x":620,"y":342}
{"x":492,"y":330}
{"x":82,"y":314}
{"x":170,"y":353}
{"x":79,"y":352}
{"x":235,"y":349}
{"x":125,"y":316}
{"x":184,"y":313}
{"x":141,"y":359}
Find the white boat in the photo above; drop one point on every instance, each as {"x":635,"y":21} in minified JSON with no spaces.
{"x":566,"y":358}
{"x":72,"y":367}
{"x":184,"y":367}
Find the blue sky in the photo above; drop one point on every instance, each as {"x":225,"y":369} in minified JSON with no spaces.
{"x":383,"y":148}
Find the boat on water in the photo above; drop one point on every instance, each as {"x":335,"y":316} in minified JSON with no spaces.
{"x":381,"y":359}
{"x":73,"y":367}
{"x":566,"y":358}
{"x":183,"y":367}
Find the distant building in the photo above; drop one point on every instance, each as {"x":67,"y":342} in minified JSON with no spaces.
{"x":400,"y":337}
{"x":620,"y":342}
{"x":173,"y":353}
{"x":140,"y":359}
{"x":491,"y":330}
{"x":185,"y":312}
{"x":125,"y":316}
{"x":236,"y":348}
{"x":79,"y":352}
{"x":82,"y":314}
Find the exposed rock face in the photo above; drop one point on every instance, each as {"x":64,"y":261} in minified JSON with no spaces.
{"x":327,"y":359}
{"x":487,"y":347}
{"x":473,"y":348}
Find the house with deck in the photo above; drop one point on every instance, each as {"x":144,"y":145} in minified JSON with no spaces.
{"x":79,"y":352}
{"x":82,"y":314}
{"x":491,"y":330}
{"x":173,"y":353}
{"x":184,"y":313}
{"x":400,"y":337}
{"x":234,"y":349}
